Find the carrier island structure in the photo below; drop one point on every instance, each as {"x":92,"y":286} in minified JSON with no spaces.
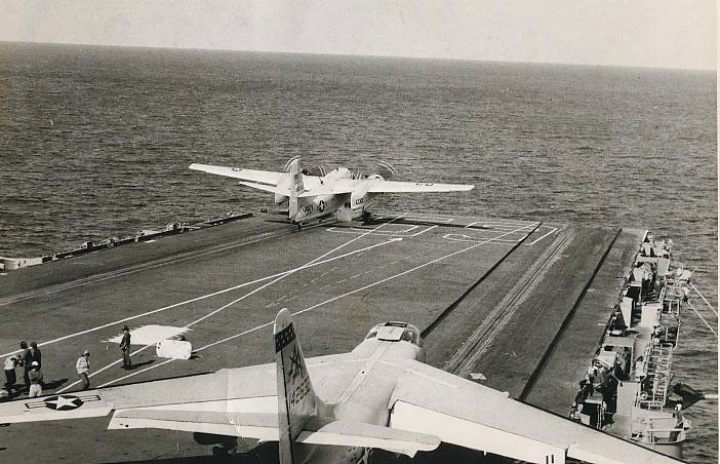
{"x":577,"y":320}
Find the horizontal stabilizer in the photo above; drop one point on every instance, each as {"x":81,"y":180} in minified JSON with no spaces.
{"x":355,"y":434}
{"x":260,"y":426}
{"x":264,"y":427}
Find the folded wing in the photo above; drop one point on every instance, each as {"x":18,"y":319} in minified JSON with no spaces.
{"x":430,"y":401}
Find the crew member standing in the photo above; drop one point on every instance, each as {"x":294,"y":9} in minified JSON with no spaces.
{"x":125,"y":348}
{"x":35,"y":354}
{"x":25,"y":360}
{"x":10,"y":377}
{"x":36,"y":380}
{"x":83,"y":369}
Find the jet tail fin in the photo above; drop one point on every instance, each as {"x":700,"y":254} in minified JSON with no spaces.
{"x":297,"y":402}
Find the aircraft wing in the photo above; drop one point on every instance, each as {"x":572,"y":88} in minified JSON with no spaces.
{"x":203,"y":394}
{"x":266,"y":178}
{"x":268,"y":181}
{"x":387,"y":186}
{"x":264,"y":187}
{"x":431,"y":401}
{"x":237,"y":402}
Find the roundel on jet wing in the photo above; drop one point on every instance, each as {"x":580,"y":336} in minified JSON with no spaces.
{"x":321,"y":206}
{"x":63,"y":402}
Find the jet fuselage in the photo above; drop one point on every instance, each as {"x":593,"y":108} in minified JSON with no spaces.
{"x":365,"y":397}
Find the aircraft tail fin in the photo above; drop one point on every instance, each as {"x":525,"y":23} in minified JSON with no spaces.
{"x":297,"y":402}
{"x":296,"y":187}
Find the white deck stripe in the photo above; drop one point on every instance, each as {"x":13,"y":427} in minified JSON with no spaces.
{"x":399,"y":233}
{"x":247,"y":295}
{"x":202,"y":297}
{"x":335,"y":298}
{"x":104,"y":368}
{"x":554,"y":229}
{"x":144,"y":267}
{"x":279,"y":278}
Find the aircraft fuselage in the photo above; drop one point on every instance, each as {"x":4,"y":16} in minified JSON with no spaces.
{"x":366,"y":396}
{"x":344,"y":206}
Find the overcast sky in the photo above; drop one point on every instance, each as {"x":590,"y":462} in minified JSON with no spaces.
{"x":658,"y":33}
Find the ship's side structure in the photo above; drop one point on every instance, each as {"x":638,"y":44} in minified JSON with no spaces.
{"x":627,"y":390}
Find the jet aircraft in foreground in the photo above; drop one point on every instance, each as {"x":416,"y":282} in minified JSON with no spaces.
{"x":338,"y":193}
{"x":337,"y":408}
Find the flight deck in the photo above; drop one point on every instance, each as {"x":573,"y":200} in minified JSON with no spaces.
{"x":521,"y":305}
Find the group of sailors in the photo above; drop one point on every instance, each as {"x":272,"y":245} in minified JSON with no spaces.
{"x":598,"y":379}
{"x":29,"y":359}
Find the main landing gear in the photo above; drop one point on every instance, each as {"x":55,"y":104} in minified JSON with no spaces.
{"x":366,"y":218}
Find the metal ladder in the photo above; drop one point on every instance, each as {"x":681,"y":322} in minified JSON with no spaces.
{"x":659,"y":368}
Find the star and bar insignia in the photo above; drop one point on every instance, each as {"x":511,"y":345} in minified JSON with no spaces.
{"x":62,"y":402}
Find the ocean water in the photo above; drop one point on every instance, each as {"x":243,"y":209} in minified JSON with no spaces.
{"x":95,"y":141}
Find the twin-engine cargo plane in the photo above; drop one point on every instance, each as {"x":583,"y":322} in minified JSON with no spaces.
{"x":338,"y":193}
{"x":337,"y":408}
